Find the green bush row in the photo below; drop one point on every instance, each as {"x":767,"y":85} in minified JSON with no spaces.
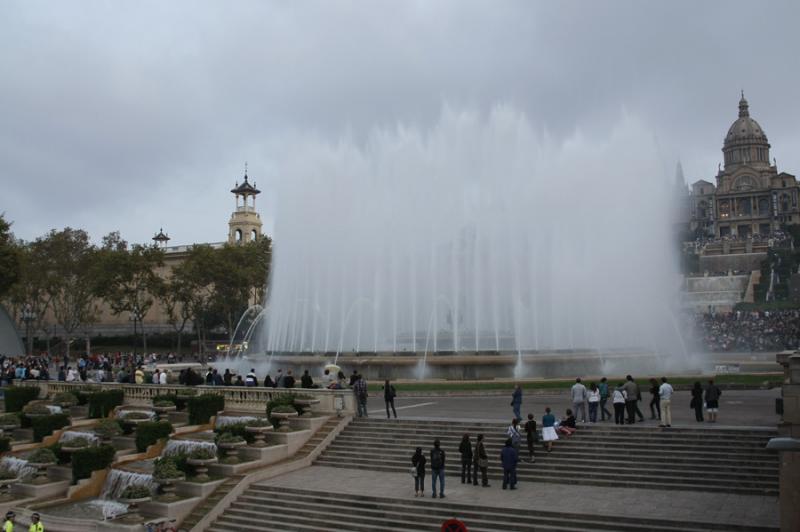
{"x":45,"y":425}
{"x":18,"y":396}
{"x":202,"y":407}
{"x":102,"y":403}
{"x":149,"y":432}
{"x":238,"y":429}
{"x":91,"y":459}
{"x":5,"y":444}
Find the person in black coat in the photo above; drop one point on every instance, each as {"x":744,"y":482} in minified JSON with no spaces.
{"x":465,"y":448}
{"x":697,"y":402}
{"x":418,"y":460}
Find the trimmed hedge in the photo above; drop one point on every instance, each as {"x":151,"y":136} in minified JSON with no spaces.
{"x":238,"y":429}
{"x":91,"y":459}
{"x":202,"y":407}
{"x":149,"y":432}
{"x":5,"y":444}
{"x":286,"y":399}
{"x":18,"y":396}
{"x":102,"y":403}
{"x":45,"y":425}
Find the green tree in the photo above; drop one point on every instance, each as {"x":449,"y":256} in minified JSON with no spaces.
{"x":67,"y":260}
{"x":176,"y":298}
{"x":195,"y":275}
{"x":29,"y":297}
{"x":127,"y":279}
{"x":9,"y":258}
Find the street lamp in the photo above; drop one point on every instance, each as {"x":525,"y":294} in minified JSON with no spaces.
{"x":28,"y":316}
{"x":136,"y":316}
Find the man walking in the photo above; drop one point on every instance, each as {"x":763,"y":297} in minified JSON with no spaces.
{"x":360,"y":391}
{"x":516,"y":401}
{"x":631,"y":395}
{"x":604,"y":395}
{"x":579,"y":400}
{"x":481,"y":462}
{"x":509,"y":458}
{"x":665,"y":393}
{"x":389,"y":394}
{"x":437,"y":468}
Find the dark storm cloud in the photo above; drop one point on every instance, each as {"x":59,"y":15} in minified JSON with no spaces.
{"x":134,"y":115}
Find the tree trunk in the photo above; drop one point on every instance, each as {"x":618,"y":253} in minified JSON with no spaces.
{"x":144,"y":339}
{"x":135,"y":333}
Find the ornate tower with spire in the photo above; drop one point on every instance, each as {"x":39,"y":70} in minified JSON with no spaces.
{"x":245,"y":223}
{"x":161,"y":239}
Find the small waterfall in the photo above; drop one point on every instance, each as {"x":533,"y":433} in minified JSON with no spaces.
{"x":110,"y":509}
{"x":118,"y":480}
{"x":54,"y":409}
{"x":17,"y":466}
{"x":187,"y":446}
{"x":124,"y":413}
{"x":70,"y":435}
{"x":224,"y":421}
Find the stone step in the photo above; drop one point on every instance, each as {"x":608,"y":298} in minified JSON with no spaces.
{"x":587,"y":470}
{"x":557,"y":459}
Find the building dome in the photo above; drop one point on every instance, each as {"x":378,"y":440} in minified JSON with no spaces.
{"x":745,"y":142}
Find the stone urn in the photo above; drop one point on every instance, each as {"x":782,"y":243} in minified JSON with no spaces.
{"x":168,"y":486}
{"x":201,"y":466}
{"x":133,"y":504}
{"x":283,"y":418}
{"x":306,"y":405}
{"x":231,"y":450}
{"x":161,"y":410}
{"x":41,"y":470}
{"x":260,"y":435}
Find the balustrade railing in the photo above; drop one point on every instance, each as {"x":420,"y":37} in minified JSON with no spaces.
{"x":244,"y":398}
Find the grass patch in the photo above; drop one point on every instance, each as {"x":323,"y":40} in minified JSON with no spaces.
{"x":742,"y":379}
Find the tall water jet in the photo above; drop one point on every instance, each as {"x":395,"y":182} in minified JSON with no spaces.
{"x":479,"y":234}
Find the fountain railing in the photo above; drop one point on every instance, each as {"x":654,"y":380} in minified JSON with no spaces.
{"x":240,"y":398}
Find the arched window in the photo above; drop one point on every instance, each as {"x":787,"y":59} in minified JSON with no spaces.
{"x":253,"y":235}
{"x":238,"y":235}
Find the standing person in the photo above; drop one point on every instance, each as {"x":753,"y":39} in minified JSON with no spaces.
{"x":306,"y":381}
{"x":593,"y":396}
{"x":279,"y":378}
{"x":509,"y":458}
{"x":665,"y":396}
{"x":360,"y":391}
{"x":513,"y":433}
{"x":655,"y":399}
{"x":389,"y":394}
{"x":8,"y":525}
{"x":465,"y":449}
{"x":619,"y":404}
{"x":712,"y":400}
{"x":697,"y":401}
{"x":631,"y":395}
{"x":437,"y":468}
{"x":36,"y":524}
{"x":138,"y":376}
{"x":579,"y":400}
{"x":162,"y":378}
{"x":418,"y":461}
{"x":603,"y":398}
{"x":251,"y":379}
{"x":155,"y":379}
{"x":288,"y":380}
{"x":481,"y":462}
{"x":532,"y":437}
{"x":516,"y":401}
{"x":227,"y":378}
{"x":353,"y":378}
{"x":548,"y":429}
{"x":268,"y":383}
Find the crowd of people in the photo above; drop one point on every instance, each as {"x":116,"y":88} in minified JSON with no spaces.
{"x":749,"y":331}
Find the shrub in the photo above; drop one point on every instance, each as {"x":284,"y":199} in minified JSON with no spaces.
{"x":5,"y":444}
{"x":10,"y":419}
{"x":91,"y":459}
{"x":257,"y":422}
{"x":41,"y":456}
{"x":18,"y":396}
{"x":238,"y":429}
{"x":166,"y":468}
{"x":108,"y":428}
{"x":45,"y":425}
{"x":135,"y":492}
{"x":102,"y":403}
{"x":149,"y":432}
{"x":202,"y":453}
{"x":65,"y":399}
{"x":36,"y":409}
{"x":282,"y":402}
{"x":202,"y":407}
{"x":229,"y":437}
{"x":79,"y":441}
{"x":163,"y":401}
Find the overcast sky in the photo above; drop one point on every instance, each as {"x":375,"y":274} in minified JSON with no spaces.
{"x":131,"y":115}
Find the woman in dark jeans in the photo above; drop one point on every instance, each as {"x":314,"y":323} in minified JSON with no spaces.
{"x":655,"y":400}
{"x":418,"y":461}
{"x":697,"y":402}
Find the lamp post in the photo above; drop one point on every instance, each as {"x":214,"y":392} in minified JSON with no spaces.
{"x":27,"y":317}
{"x":136,"y":316}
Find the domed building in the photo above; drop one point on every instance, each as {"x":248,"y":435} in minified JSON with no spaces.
{"x":750,"y":196}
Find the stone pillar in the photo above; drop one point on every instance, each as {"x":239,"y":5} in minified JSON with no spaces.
{"x":789,"y":427}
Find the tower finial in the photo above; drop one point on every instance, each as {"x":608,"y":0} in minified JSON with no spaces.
{"x":245,"y":170}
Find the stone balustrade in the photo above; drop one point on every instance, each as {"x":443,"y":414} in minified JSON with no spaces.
{"x":243,"y":398}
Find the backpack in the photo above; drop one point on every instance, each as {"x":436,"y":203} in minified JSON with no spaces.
{"x":437,"y":459}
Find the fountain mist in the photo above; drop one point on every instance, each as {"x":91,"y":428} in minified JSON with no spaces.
{"x":480,"y":234}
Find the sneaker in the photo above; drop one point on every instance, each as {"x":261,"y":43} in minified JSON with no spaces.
{"x":433,"y":496}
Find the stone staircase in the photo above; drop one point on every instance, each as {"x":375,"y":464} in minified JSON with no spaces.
{"x":689,"y":459}
{"x":264,"y":508}
{"x":199,"y":511}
